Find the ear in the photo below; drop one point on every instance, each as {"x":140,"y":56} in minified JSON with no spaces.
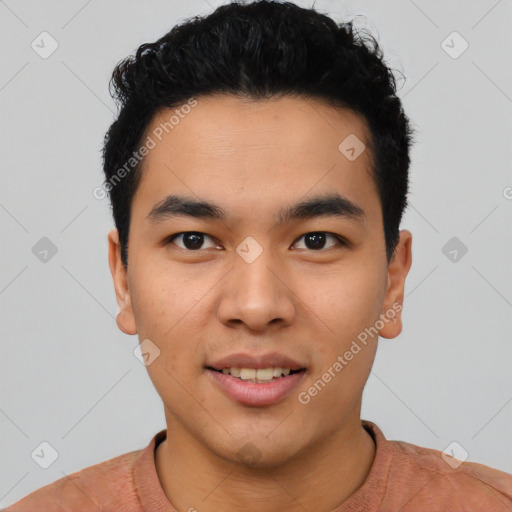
{"x":398,"y":269}
{"x":125,"y":318}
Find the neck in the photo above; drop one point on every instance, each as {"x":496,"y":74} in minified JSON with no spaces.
{"x":324,"y":476}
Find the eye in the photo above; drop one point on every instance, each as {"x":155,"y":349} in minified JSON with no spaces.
{"x":316,"y":240}
{"x":192,"y":240}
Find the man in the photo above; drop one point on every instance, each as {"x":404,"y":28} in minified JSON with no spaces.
{"x":258,"y":173}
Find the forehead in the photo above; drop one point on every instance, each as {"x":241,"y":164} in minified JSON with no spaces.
{"x":253,"y":155}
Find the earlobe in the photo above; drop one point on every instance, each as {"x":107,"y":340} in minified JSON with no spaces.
{"x":397,"y":272}
{"x":125,"y":318}
{"x":126,"y":322}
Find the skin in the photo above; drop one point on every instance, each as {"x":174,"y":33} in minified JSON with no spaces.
{"x":252,"y":158}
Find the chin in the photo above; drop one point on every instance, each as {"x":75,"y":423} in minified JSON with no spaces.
{"x":258,"y":451}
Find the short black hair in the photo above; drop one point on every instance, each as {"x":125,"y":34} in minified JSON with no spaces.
{"x":260,"y":50}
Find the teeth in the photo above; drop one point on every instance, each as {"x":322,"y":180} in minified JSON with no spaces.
{"x":277,"y":372}
{"x":247,"y":373}
{"x":264,"y":373}
{"x":256,"y":375}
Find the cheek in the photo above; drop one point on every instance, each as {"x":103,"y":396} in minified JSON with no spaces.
{"x":348,"y":308}
{"x":347,"y":302}
{"x":169,"y":309}
{"x":160,"y":299}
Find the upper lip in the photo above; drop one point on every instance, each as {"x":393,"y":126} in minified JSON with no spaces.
{"x":243,"y":360}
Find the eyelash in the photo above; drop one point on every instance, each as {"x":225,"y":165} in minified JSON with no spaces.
{"x":341,"y":241}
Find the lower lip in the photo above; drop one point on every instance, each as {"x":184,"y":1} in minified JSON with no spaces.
{"x":257,"y":394}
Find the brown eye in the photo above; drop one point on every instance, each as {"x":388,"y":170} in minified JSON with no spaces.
{"x":191,"y":240}
{"x":316,"y":240}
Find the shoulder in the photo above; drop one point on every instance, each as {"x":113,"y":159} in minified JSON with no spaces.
{"x":88,"y":490}
{"x":413,"y":478}
{"x":432,"y":478}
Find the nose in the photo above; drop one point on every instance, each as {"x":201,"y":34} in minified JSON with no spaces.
{"x":256,"y":295}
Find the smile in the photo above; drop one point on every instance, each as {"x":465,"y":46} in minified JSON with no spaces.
{"x":256,"y":387}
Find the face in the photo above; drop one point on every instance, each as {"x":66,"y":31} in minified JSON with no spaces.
{"x":252,"y":277}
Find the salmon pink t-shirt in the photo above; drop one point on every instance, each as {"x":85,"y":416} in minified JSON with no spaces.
{"x":403,"y":477}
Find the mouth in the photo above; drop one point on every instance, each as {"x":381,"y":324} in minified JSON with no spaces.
{"x":256,"y":387}
{"x":257,"y":375}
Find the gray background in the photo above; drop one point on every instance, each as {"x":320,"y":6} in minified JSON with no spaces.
{"x":69,"y":376}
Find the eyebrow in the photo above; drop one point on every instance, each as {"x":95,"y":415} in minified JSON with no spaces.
{"x":330,"y":205}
